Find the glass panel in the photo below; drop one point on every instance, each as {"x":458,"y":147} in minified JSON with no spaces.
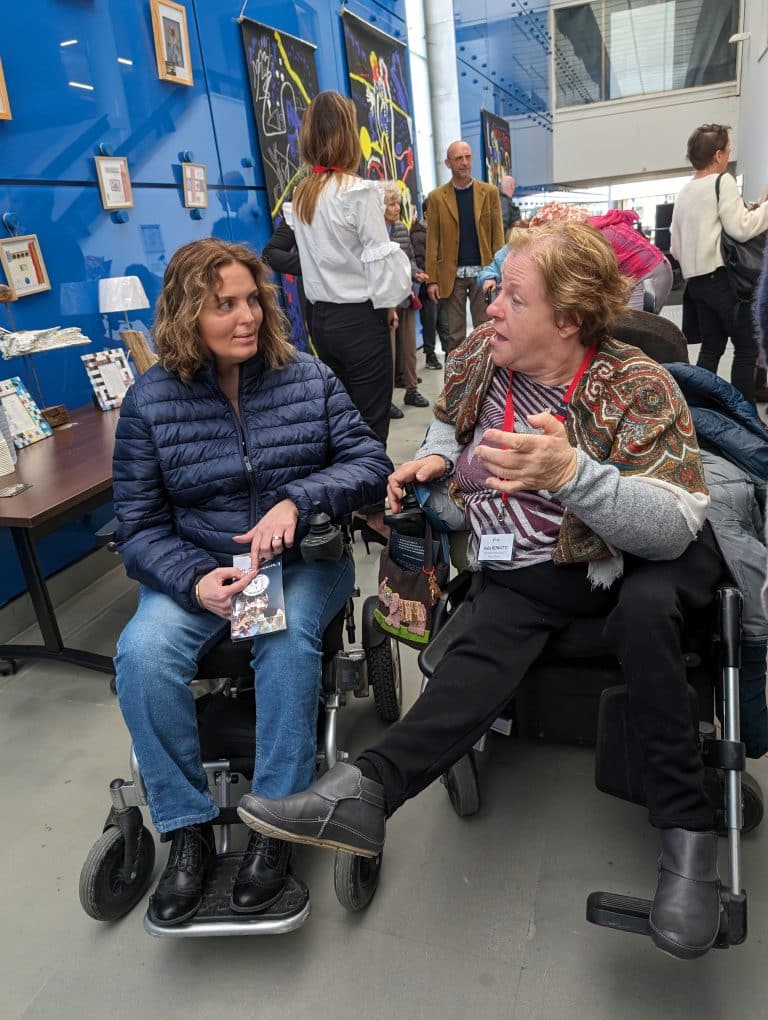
{"x":611,"y":49}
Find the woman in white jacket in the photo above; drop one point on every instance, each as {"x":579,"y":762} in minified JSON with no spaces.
{"x":698,"y":221}
{"x":353,"y":274}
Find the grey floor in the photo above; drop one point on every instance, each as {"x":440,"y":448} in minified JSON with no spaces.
{"x":476,"y":917}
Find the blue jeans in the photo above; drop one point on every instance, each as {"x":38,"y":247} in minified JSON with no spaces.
{"x":156,"y":660}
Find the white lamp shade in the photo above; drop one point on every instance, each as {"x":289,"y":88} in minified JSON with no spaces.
{"x":121,"y":294}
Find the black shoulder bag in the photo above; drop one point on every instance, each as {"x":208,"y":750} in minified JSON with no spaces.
{"x":743,"y":259}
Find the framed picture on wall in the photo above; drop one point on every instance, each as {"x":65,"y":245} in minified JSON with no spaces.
{"x":25,"y":418}
{"x":5,"y":106}
{"x":195,"y":186}
{"x":110,"y":376}
{"x":169,"y":27}
{"x":114,"y":182}
{"x":23,"y":265}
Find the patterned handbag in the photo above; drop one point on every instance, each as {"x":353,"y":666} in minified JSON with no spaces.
{"x":412,"y":572}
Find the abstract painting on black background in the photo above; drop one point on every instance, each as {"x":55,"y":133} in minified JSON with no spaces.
{"x":283,"y":79}
{"x":378,"y":81}
{"x":497,"y":147}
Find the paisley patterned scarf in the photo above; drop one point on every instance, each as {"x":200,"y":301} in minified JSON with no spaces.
{"x":627,"y":411}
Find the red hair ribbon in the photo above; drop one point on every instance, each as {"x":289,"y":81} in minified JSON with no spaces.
{"x":319,"y":169}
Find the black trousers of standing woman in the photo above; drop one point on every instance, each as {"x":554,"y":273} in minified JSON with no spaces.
{"x":511,"y":620}
{"x":719,"y":316}
{"x":353,"y":341}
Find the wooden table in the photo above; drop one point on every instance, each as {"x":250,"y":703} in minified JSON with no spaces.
{"x":70,"y":474}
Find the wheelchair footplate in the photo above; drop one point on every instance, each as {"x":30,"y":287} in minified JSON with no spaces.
{"x":216,"y":917}
{"x":627,"y":913}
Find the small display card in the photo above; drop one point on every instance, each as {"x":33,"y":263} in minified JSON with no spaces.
{"x":496,"y":548}
{"x":259,"y":608}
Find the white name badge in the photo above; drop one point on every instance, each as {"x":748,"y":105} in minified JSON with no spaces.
{"x":496,"y":548}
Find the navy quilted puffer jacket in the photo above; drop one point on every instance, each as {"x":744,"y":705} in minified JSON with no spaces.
{"x":188,"y":476}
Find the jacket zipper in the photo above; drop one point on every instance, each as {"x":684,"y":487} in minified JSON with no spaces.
{"x":244,"y":451}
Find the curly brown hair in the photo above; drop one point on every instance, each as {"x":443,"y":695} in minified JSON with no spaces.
{"x":581,"y":276}
{"x":328,"y":137}
{"x":191,"y":275}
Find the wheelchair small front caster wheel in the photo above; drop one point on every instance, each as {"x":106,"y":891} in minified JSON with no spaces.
{"x":463,"y":787}
{"x":106,"y":893}
{"x":355,"y":879}
{"x":386,"y":676}
{"x":8,"y":667}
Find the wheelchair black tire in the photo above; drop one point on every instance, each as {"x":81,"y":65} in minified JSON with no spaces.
{"x":463,"y":786}
{"x":102,"y":895}
{"x":355,"y":879}
{"x":752,"y":799}
{"x":385,"y":675}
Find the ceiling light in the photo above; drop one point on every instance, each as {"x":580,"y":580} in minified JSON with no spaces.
{"x":80,"y":85}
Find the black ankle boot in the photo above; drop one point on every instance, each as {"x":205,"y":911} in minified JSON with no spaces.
{"x":685,"y":916}
{"x":180,"y":890}
{"x":263,"y":875}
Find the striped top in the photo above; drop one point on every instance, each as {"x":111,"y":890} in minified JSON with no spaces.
{"x":533,"y":517}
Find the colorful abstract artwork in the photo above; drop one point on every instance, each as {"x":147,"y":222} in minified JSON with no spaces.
{"x":283,"y":79}
{"x":378,"y":82}
{"x":497,"y":147}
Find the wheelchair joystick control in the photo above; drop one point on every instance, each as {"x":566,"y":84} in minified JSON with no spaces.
{"x":324,"y":540}
{"x":411,"y":520}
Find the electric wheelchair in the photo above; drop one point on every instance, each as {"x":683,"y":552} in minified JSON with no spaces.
{"x":574,"y":693}
{"x":119,"y":867}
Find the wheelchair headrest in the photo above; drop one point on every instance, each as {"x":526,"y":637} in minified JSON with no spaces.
{"x":656,"y":336}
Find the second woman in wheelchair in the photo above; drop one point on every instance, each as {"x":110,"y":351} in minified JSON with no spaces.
{"x":575,"y":460}
{"x":225,"y":444}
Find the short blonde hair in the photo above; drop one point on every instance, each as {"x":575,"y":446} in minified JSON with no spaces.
{"x":192,"y":274}
{"x":328,"y":137}
{"x":581,"y":276}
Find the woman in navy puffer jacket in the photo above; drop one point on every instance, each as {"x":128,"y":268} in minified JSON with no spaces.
{"x":221,"y":449}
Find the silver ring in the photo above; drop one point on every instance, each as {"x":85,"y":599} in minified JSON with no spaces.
{"x":277,"y":538}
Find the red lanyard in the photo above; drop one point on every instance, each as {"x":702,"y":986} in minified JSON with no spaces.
{"x":509,"y":408}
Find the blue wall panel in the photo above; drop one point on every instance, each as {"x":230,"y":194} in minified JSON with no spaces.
{"x":48,"y":178}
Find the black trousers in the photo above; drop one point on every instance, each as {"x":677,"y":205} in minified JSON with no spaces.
{"x":720,"y":316}
{"x":433,"y":322}
{"x":512,"y":618}
{"x":353,"y":341}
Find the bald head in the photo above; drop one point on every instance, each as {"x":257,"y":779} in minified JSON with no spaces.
{"x":458,"y":159}
{"x":507,"y":186}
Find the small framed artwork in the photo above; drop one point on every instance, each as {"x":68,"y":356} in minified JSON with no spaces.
{"x":5,"y":106}
{"x":23,"y":264}
{"x":114,"y":182}
{"x":169,"y":27}
{"x":110,"y":376}
{"x":195,"y":186}
{"x":25,"y":418}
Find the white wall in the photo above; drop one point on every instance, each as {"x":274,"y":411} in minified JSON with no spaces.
{"x":753,"y":128}
{"x":632,"y":137}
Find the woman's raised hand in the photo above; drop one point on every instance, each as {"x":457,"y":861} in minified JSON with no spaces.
{"x":425,"y":469}
{"x":275,"y":531}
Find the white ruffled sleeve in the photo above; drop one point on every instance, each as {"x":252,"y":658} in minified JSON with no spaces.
{"x":387,"y":268}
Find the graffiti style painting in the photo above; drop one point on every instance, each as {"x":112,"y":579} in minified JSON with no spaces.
{"x":379,"y":88}
{"x":283,"y":79}
{"x":497,"y":147}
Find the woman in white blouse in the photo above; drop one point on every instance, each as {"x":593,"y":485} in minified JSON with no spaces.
{"x":353,"y":275}
{"x":698,"y":221}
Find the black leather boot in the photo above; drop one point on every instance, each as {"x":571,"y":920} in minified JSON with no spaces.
{"x":342,"y":810}
{"x":685,"y":915}
{"x":263,"y":875}
{"x":180,"y":890}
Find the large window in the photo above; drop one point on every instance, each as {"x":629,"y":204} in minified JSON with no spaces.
{"x":612,"y":49}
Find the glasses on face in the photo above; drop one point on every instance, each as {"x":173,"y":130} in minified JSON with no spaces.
{"x":492,"y":293}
